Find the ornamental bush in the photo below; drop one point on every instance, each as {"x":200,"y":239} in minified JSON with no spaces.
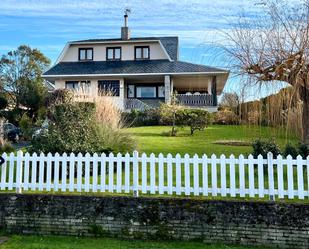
{"x":290,"y":149}
{"x":262,"y":147}
{"x":295,"y":150}
{"x":26,"y":126}
{"x":303,"y":150}
{"x":59,"y":96}
{"x":196,"y":119}
{"x":73,"y":128}
{"x":147,"y":117}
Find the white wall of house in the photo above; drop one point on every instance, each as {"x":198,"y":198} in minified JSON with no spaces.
{"x":93,"y":91}
{"x":127,"y":53}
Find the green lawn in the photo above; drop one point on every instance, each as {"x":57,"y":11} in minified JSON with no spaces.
{"x":58,"y":242}
{"x":150,"y":139}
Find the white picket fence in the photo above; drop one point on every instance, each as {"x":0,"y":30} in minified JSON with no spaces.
{"x":206,"y":176}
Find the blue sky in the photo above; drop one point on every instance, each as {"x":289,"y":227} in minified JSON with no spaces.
{"x":48,"y":25}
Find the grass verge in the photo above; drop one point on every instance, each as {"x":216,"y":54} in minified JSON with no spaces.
{"x":61,"y":242}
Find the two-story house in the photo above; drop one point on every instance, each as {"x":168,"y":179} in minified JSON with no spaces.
{"x":140,"y":72}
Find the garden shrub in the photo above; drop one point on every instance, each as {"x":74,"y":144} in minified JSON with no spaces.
{"x":290,"y":149}
{"x":262,"y":147}
{"x":295,"y":150}
{"x":148,"y":117}
{"x":73,"y":128}
{"x":41,"y":113}
{"x":26,"y":126}
{"x":12,"y":116}
{"x":196,"y":119}
{"x":226,"y":117}
{"x":59,"y":96}
{"x":176,"y":115}
{"x":6,"y":147}
{"x":303,"y":150}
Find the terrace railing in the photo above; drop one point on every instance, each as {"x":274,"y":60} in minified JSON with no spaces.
{"x":200,"y":176}
{"x":198,"y":100}
{"x":131,"y":103}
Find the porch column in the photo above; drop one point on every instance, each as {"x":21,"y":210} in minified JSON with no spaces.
{"x":214,"y":91}
{"x":94,"y":88}
{"x":167,"y":88}
{"x":121,"y":94}
{"x":209,"y":86}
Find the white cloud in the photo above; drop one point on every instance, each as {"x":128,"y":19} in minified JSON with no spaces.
{"x":195,"y":21}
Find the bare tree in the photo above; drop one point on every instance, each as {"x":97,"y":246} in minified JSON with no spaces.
{"x":231,"y":100}
{"x":275,"y":47}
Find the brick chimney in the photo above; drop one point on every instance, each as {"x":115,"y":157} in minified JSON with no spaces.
{"x":125,"y":31}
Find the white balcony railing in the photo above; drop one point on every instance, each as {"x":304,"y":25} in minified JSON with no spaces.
{"x":195,"y":99}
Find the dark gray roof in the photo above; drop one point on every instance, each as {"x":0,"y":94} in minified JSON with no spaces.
{"x":128,"y":67}
{"x":49,"y":85}
{"x":170,"y":43}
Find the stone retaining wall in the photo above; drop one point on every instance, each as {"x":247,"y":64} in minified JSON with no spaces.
{"x":231,"y":222}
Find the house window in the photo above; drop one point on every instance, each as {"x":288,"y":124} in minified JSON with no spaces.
{"x":146,"y":92}
{"x":161,"y":92}
{"x":142,"y":53}
{"x":72,"y":85}
{"x":113,"y":53}
{"x":111,"y":86}
{"x":131,"y":91}
{"x":80,"y":86}
{"x":85,"y":54}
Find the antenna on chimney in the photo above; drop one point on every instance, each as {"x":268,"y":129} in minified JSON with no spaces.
{"x":125,"y":31}
{"x":127,"y":11}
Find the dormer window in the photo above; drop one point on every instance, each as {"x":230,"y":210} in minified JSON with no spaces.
{"x":85,"y":54}
{"x":113,"y":53}
{"x":142,"y":53}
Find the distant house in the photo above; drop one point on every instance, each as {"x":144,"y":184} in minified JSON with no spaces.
{"x":141,"y":71}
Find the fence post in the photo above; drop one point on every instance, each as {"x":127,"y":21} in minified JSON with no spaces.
{"x":135,"y":174}
{"x":271,"y":183}
{"x":19,"y":172}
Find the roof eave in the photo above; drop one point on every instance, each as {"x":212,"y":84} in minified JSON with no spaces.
{"x":108,"y":42}
{"x":136,"y":74}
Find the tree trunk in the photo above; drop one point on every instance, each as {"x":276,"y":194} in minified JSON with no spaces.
{"x":305,"y":120}
{"x":305,"y":115}
{"x":173,"y":125}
